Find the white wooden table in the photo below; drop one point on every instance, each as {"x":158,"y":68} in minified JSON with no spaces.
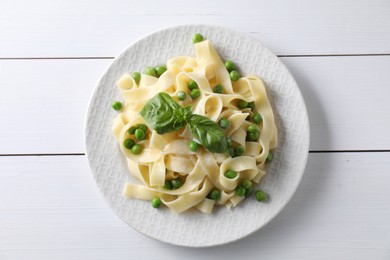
{"x":52,"y":54}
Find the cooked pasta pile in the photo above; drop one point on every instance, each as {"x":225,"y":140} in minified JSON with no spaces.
{"x":166,"y":158}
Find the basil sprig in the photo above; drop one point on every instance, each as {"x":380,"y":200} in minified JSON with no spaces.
{"x":165,"y":115}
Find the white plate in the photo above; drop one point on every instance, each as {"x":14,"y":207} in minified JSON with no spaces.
{"x":194,"y":228}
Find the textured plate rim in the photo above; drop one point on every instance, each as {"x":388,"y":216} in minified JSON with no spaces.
{"x":299,"y":96}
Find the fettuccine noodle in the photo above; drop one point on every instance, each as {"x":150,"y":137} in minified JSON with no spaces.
{"x":166,"y":156}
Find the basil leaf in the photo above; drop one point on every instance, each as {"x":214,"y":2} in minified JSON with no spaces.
{"x":208,"y":133}
{"x":163,"y":114}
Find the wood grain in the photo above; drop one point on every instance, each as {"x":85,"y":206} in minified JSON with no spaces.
{"x":50,"y":208}
{"x":44,"y":102}
{"x":89,"y":28}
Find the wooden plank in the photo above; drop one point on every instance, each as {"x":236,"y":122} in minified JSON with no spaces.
{"x":51,"y":209}
{"x":43,"y":102}
{"x":346,"y":98}
{"x":89,"y":28}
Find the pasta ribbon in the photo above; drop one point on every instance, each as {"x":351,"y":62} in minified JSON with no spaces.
{"x":166,"y":168}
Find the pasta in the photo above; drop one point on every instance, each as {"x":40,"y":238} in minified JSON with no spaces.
{"x":166,"y":160}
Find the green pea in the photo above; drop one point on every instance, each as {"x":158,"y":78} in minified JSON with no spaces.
{"x":239,"y":150}
{"x":253,"y":136}
{"x":192,"y":85}
{"x":240,"y":191}
{"x":132,"y":130}
{"x":252,"y":128}
{"x":257,"y":118}
{"x":136,"y":149}
{"x":193,"y":146}
{"x":218,"y":89}
{"x":246,"y":183}
{"x":136,"y":76}
{"x":229,"y":141}
{"x":248,"y":192}
{"x":181,"y":95}
{"x":151,"y":71}
{"x":139,"y":134}
{"x":231,"y":152}
{"x":252,"y":105}
{"x":269,"y":157}
{"x":230,"y":65}
{"x":197,"y":38}
{"x":167,"y":185}
{"x":224,"y":123}
{"x":214,"y":194}
{"x":261,"y":195}
{"x":143,"y":127}
{"x":156,"y":202}
{"x":195,"y":93}
{"x":230,"y":174}
{"x":234,"y":75}
{"x":177,"y":183}
{"x":128,"y":143}
{"x":241,"y":104}
{"x":160,"y":70}
{"x":116,"y":105}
